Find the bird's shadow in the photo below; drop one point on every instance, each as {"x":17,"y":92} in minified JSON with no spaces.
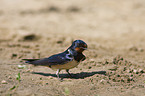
{"x":81,"y":75}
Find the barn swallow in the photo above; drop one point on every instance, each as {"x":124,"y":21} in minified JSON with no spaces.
{"x":66,"y":60}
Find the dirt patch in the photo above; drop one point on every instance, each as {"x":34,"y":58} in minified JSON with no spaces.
{"x":114,"y":31}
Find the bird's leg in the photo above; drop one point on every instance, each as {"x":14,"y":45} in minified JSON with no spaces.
{"x":67,"y":70}
{"x":57,"y":73}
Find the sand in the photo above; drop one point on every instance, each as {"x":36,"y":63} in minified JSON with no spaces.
{"x":113,"y":29}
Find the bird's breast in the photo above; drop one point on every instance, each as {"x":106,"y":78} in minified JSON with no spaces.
{"x":68,"y":65}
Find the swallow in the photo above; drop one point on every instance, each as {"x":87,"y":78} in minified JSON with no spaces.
{"x":66,"y":60}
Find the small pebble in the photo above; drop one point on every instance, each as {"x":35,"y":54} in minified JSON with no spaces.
{"x":10,"y":77}
{"x":103,"y":81}
{"x":21,"y":66}
{"x":135,"y":71}
{"x":4,"y":82}
{"x":140,"y":71}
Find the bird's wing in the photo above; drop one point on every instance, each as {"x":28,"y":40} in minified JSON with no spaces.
{"x":52,"y":60}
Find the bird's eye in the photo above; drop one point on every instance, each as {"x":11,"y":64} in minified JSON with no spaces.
{"x":85,"y":46}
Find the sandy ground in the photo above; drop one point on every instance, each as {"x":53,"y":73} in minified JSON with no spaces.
{"x":113,"y":29}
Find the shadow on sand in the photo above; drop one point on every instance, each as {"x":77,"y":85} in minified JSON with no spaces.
{"x":81,"y":75}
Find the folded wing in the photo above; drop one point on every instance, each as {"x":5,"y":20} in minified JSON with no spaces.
{"x":52,"y":60}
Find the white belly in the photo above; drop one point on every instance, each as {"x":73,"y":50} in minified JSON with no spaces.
{"x":68,"y":65}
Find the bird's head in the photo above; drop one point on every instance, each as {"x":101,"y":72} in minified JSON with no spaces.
{"x":79,"y":46}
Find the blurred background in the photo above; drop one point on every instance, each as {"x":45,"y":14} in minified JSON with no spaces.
{"x":95,"y":20}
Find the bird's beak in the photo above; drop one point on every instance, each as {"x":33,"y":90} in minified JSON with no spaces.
{"x":85,"y":47}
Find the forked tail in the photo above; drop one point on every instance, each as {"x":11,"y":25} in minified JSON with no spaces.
{"x":31,"y":61}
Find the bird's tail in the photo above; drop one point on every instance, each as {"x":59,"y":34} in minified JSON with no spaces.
{"x":30,"y":61}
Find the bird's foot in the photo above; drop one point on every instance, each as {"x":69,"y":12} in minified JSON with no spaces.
{"x":60,"y":79}
{"x":69,"y":73}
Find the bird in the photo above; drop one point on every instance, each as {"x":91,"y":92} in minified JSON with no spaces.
{"x":66,"y":60}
